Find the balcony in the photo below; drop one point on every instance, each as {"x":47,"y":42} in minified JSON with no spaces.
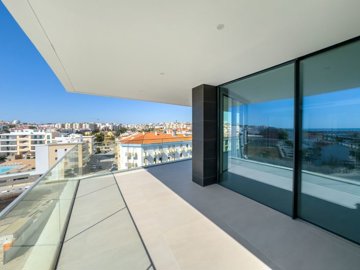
{"x":80,"y":219}
{"x":156,"y":218}
{"x":4,"y":139}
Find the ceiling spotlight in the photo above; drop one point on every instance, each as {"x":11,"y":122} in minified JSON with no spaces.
{"x":220,"y":26}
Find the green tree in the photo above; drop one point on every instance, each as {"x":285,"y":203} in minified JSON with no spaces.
{"x":99,"y":137}
{"x":123,"y":129}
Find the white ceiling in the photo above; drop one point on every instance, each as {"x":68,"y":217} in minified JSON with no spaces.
{"x":158,"y":50}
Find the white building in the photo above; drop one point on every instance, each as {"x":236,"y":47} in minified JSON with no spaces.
{"x":68,"y":125}
{"x":59,"y":125}
{"x":77,"y":126}
{"x":77,"y":138}
{"x":23,"y":142}
{"x":89,"y":126}
{"x":106,"y":126}
{"x":145,"y":149}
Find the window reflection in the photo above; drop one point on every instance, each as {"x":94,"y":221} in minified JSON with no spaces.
{"x":258,"y":137}
{"x":330,"y":193}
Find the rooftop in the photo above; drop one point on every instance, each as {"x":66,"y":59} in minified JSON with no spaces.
{"x":150,"y":138}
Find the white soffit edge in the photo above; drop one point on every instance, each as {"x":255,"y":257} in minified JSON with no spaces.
{"x":158,"y":50}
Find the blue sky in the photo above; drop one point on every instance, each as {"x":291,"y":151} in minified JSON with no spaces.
{"x":340,"y":109}
{"x":30,"y":92}
{"x":332,"y":110}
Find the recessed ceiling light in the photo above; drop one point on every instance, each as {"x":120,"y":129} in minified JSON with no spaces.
{"x":220,"y":26}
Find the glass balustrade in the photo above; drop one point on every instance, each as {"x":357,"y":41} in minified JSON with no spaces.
{"x":32,"y":227}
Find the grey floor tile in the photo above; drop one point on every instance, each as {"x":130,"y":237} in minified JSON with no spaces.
{"x":93,"y":207}
{"x":90,"y":185}
{"x":281,"y":242}
{"x":111,"y":244}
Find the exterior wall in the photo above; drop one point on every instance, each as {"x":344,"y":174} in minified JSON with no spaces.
{"x":78,"y":138}
{"x":90,"y":140}
{"x":8,"y":144}
{"x":68,"y":126}
{"x":77,"y":126}
{"x":140,"y":155}
{"x":23,"y":142}
{"x":89,"y":126}
{"x":57,"y":151}
{"x":42,"y":159}
{"x":47,"y":155}
{"x":130,"y":156}
{"x":109,"y":138}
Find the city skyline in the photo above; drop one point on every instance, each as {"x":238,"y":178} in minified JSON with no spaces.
{"x":20,"y":122}
{"x":30,"y":91}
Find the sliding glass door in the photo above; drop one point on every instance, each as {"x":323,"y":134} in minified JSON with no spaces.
{"x":330,"y":193}
{"x":257,"y":137}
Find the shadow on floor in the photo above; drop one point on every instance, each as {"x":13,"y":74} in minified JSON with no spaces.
{"x":276,"y":239}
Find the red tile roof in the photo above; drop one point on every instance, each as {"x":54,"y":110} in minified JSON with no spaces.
{"x":149,"y":138}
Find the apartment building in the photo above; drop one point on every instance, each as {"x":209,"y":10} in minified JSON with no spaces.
{"x":145,"y":149}
{"x":77,"y":126}
{"x":77,"y":138}
{"x":68,"y":125}
{"x":88,"y":126}
{"x":23,"y":141}
{"x":47,"y":155}
{"x":59,"y":125}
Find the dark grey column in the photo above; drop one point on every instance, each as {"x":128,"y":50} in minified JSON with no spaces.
{"x":204,"y":121}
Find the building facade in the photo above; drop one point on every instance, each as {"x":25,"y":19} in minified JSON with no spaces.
{"x":23,"y":142}
{"x":48,"y":155}
{"x":77,"y":138}
{"x":146,"y":149}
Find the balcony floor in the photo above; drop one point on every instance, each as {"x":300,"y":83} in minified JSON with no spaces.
{"x":180,"y":223}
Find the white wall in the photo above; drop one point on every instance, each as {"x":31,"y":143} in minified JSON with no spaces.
{"x":42,"y":158}
{"x":152,"y":154}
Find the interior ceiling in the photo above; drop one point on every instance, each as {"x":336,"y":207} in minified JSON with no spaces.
{"x":158,"y":50}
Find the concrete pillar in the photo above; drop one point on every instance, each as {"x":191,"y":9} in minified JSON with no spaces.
{"x":204,"y":121}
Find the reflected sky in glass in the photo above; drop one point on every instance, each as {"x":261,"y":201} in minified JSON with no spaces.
{"x":332,"y":110}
